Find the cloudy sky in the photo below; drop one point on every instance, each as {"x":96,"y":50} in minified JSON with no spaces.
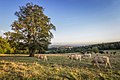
{"x":76,"y":21}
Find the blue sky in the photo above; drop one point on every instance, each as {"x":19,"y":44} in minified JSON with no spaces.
{"x":76,"y":21}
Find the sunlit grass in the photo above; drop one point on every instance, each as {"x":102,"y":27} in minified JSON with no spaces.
{"x":56,"y":68}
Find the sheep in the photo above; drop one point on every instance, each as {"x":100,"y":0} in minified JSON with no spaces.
{"x":71,"y":56}
{"x":87,"y":55}
{"x":75,"y":57}
{"x":44,"y":57}
{"x":101,"y":59}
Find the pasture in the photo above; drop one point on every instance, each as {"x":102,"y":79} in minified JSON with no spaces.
{"x":57,"y":67}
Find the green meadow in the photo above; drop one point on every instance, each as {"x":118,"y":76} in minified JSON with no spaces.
{"x":57,"y":67}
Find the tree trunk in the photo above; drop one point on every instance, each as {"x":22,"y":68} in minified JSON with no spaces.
{"x":31,"y":55}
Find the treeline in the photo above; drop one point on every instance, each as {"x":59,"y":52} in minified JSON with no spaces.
{"x":107,"y":46}
{"x":11,"y":47}
{"x":90,"y":48}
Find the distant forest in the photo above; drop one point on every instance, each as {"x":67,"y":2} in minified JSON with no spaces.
{"x":107,"y":46}
{"x":100,"y":47}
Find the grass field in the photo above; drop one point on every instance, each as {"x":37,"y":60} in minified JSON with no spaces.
{"x":58,"y":67}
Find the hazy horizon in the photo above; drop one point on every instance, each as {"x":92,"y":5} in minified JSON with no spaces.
{"x":76,"y":21}
{"x":80,"y":43}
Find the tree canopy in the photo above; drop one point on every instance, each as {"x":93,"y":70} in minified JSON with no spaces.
{"x":32,"y":29}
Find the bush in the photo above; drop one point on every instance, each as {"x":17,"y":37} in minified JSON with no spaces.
{"x":95,"y":49}
{"x":5,"y":46}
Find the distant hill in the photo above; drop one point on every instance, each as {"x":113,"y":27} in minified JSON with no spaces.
{"x":69,"y":44}
{"x":107,"y":46}
{"x":71,"y":48}
{"x":72,"y":45}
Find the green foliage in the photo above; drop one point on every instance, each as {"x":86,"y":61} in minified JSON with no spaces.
{"x":95,"y":49}
{"x":87,"y":48}
{"x":32,"y":30}
{"x":107,"y":46}
{"x":5,"y":46}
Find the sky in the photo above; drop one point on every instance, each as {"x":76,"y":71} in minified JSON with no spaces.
{"x":76,"y":21}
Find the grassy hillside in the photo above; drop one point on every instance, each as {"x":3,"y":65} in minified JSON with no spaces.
{"x":58,"y":67}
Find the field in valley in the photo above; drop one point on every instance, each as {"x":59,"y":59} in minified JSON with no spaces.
{"x":58,"y":67}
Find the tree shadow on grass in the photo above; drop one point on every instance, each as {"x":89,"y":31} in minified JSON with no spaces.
{"x":18,"y":58}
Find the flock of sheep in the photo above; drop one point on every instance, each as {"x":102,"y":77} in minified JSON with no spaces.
{"x":96,"y":60}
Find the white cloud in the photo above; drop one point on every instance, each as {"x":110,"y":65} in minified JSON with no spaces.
{"x":2,"y":31}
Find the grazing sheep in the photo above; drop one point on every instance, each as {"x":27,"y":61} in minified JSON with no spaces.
{"x":71,"y":56}
{"x":87,"y":55}
{"x":75,"y":57}
{"x":101,"y":59}
{"x":44,"y":57}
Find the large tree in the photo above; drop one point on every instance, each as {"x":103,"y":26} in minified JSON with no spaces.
{"x":32,"y":28}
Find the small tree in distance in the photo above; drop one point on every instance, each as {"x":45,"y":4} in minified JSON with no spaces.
{"x":95,"y":49}
{"x":32,"y":29}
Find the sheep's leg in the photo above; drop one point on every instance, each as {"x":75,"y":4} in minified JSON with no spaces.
{"x":45,"y":59}
{"x":93,"y":64}
{"x":97,"y":65}
{"x":106,"y":65}
{"x":80,"y":59}
{"x":71,"y":58}
{"x":109,"y":65}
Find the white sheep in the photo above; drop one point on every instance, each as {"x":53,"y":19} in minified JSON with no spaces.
{"x":87,"y":55}
{"x":75,"y":57}
{"x":101,"y":59}
{"x":44,"y":57}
